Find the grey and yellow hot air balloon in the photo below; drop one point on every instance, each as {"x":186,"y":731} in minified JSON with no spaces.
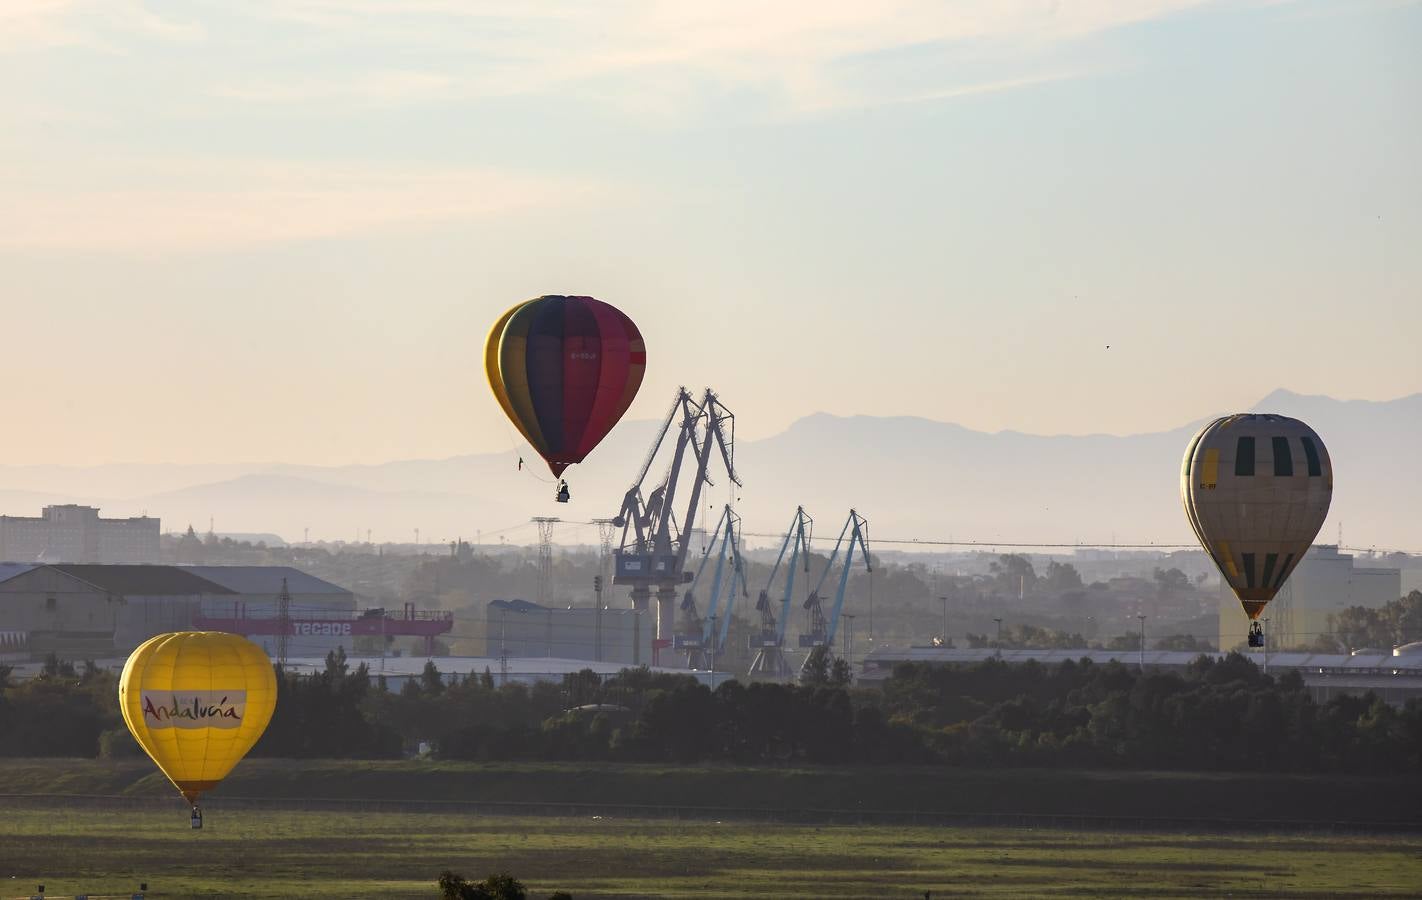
{"x":1256,"y":489}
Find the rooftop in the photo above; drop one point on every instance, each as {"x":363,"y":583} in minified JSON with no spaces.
{"x":264,"y":579}
{"x":185,"y":581}
{"x":9,"y":570}
{"x":140,"y":580}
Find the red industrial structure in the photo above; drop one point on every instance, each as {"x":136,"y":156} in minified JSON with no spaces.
{"x":427,"y":624}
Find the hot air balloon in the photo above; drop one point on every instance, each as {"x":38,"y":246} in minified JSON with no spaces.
{"x":196,"y":702}
{"x":1256,"y":489}
{"x":564,"y":369}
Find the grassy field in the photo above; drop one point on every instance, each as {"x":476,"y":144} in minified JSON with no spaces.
{"x":249,"y":853}
{"x":1240,"y":801}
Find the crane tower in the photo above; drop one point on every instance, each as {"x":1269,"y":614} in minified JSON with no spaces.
{"x":652,"y":552}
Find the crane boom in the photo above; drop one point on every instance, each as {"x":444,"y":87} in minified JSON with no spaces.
{"x":857,"y":536}
{"x":823,"y":628}
{"x":797,"y":541}
{"x":737,"y":577}
{"x":804,"y":526}
{"x":769,"y":642}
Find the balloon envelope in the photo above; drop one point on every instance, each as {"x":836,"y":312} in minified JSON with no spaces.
{"x":196,"y":702}
{"x":1256,"y":489}
{"x":564,"y":369}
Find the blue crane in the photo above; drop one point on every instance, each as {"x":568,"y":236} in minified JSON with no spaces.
{"x":697,"y":638}
{"x":737,"y":578}
{"x":769,"y":643}
{"x":822,"y":627}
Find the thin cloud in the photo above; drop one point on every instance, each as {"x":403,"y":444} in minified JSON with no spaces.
{"x":263,"y":203}
{"x":384,"y":88}
{"x":788,"y":50}
{"x":35,"y":25}
{"x":987,"y":87}
{"x":678,"y":50}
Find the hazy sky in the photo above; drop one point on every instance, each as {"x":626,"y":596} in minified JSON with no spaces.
{"x":279,"y":229}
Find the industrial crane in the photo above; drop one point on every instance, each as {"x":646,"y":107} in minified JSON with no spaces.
{"x":822,"y":628}
{"x":653,"y":548}
{"x":769,"y":643}
{"x":699,"y":637}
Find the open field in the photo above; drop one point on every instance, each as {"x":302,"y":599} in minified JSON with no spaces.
{"x":887,"y":795}
{"x":346,"y":828}
{"x":285,"y":853}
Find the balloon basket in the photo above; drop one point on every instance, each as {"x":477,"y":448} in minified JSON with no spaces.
{"x":197,"y":819}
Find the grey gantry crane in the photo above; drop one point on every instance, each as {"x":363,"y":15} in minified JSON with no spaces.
{"x":652,"y":551}
{"x":769,"y":642}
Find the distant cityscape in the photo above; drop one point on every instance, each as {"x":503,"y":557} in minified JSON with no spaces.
{"x":81,"y":586}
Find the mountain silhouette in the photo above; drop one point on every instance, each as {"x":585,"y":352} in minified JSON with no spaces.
{"x":913,"y":478}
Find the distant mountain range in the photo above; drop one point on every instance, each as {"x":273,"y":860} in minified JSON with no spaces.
{"x":913,"y":478}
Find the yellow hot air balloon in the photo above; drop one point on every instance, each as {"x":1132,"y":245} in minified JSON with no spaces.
{"x":1256,"y":489}
{"x":197,"y":701}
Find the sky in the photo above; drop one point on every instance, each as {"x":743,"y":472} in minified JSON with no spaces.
{"x":280,"y":229}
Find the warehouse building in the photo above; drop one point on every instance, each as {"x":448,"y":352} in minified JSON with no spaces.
{"x":81,"y":611}
{"x":524,"y":629}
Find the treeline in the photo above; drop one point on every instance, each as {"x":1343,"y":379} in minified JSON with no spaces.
{"x":1391,"y":625}
{"x":63,"y":711}
{"x":1217,"y":715}
{"x":1031,"y":637}
{"x":1221,"y":715}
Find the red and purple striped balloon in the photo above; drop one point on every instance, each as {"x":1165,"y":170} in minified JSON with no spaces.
{"x":564,"y":369}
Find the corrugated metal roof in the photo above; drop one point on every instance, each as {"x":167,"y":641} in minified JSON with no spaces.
{"x":265,"y":579}
{"x":517,"y":604}
{"x":10,"y":570}
{"x":141,"y":581}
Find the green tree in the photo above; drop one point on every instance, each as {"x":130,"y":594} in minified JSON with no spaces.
{"x":1406,"y":617}
{"x":1062,"y":577}
{"x":1323,"y":643}
{"x":1131,"y":640}
{"x":582,"y":687}
{"x":1359,"y":627}
{"x":501,"y":886}
{"x":336,"y":666}
{"x":1014,"y":573}
{"x":1172,"y":581}
{"x":816,"y":670}
{"x":431,"y":681}
{"x":54,"y":667}
{"x":1186,"y":642}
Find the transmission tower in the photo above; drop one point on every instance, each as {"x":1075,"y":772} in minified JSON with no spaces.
{"x":606,"y":531}
{"x":545,"y":558}
{"x":283,"y":622}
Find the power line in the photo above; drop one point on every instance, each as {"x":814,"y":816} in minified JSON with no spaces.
{"x":1044,"y":545}
{"x":973,"y":543}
